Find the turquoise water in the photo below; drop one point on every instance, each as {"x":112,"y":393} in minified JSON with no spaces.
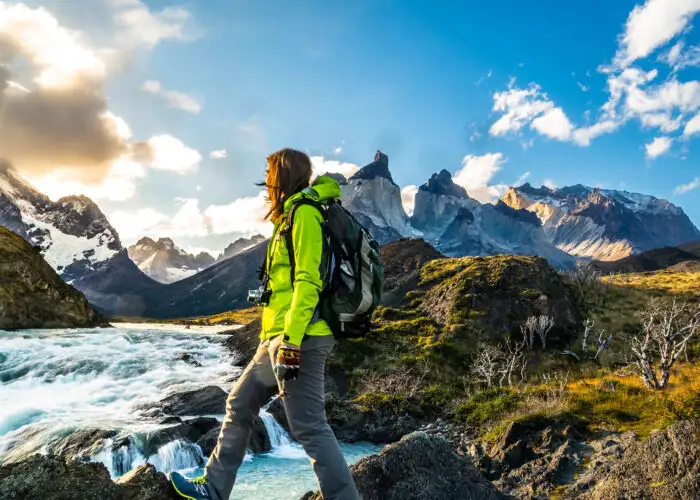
{"x":54,"y":382}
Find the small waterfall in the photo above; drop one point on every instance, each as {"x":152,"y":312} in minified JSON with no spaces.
{"x":278,"y":436}
{"x":280,"y":441}
{"x":119,"y":461}
{"x":177,"y":455}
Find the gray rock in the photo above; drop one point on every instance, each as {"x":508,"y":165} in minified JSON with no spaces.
{"x":419,"y":467}
{"x":259,"y":439}
{"x":243,"y":342}
{"x":208,"y":400}
{"x":52,"y":478}
{"x":664,"y":466}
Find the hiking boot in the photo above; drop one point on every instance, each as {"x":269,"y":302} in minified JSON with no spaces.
{"x":192,"y":489}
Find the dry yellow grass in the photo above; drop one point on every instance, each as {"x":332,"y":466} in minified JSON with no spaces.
{"x":237,"y":317}
{"x":664,"y":282}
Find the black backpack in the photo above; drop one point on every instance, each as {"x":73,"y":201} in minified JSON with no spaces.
{"x":354,"y":278}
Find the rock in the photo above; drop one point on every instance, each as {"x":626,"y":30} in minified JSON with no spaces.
{"x":419,"y":467}
{"x":208,"y":400}
{"x":664,"y":466}
{"x":152,"y":441}
{"x":204,"y":424}
{"x":380,"y":425}
{"x":146,"y":483}
{"x":208,"y":441}
{"x":259,"y":439}
{"x":243,"y":342}
{"x":52,"y":478}
{"x":33,"y":295}
{"x":276,"y":409}
{"x":82,"y":443}
{"x":170,"y":421}
{"x":189,"y":359}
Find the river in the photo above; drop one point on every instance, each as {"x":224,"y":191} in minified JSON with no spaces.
{"x":56,"y":382}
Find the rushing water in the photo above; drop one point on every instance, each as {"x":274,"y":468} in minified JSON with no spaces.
{"x":56,"y":382}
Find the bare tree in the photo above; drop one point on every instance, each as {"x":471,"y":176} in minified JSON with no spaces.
{"x":487,"y":365}
{"x":667,"y":327}
{"x":588,"y":326}
{"x":513,"y":357}
{"x":602,"y":342}
{"x":536,"y":326}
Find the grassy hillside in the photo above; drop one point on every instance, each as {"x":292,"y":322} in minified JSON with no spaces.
{"x":418,"y":361}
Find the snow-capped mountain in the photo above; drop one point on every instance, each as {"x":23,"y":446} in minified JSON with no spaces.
{"x":373,"y":197}
{"x":458,"y":225}
{"x":73,"y":234}
{"x":603,"y":224}
{"x":241,"y":245}
{"x":165,"y":262}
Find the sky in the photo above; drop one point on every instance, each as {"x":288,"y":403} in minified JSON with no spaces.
{"x":164,"y":111}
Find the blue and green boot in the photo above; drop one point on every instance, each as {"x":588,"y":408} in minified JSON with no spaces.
{"x":192,"y":489}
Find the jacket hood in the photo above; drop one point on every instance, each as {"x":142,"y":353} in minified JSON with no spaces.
{"x":323,"y":190}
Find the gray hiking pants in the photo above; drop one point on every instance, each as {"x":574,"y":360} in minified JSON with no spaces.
{"x":306,"y":413}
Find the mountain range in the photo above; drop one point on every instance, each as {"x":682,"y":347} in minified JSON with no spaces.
{"x":155,"y":278}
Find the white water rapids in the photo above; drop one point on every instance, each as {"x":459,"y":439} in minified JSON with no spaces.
{"x":56,"y":382}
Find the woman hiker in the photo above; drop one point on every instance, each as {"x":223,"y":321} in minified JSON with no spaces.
{"x":295,"y":343}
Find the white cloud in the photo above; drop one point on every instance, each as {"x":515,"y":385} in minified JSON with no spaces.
{"x":553,"y":123}
{"x":583,"y":87}
{"x":60,"y":54}
{"x":652,"y":25}
{"x":678,"y":58}
{"x":243,"y":216}
{"x":657,"y":147}
{"x":133,"y":225}
{"x":218,"y":154}
{"x":169,"y":153}
{"x":521,"y":107}
{"x":323,"y":166}
{"x":174,"y":98}
{"x":477,"y":172}
{"x":337,"y":150}
{"x":661,"y":120}
{"x":119,"y":184}
{"x":408,"y":198}
{"x":521,"y":180}
{"x":694,"y":184}
{"x":693,"y":126}
{"x":140,"y":26}
{"x":550,"y":184}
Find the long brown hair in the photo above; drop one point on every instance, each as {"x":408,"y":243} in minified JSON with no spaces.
{"x":288,"y":172}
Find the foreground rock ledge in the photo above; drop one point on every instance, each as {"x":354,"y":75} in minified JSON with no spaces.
{"x":419,"y":467}
{"x":52,"y":478}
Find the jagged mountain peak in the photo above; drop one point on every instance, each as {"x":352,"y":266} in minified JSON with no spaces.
{"x":378,"y":168}
{"x":442,"y":184}
{"x":241,"y":245}
{"x":145,"y":241}
{"x":165,"y":262}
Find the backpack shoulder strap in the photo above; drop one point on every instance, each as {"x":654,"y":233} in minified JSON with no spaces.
{"x":289,"y":240}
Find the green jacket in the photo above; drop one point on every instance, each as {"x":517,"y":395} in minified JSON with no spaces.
{"x":291,"y":308}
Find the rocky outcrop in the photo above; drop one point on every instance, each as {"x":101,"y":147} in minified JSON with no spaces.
{"x":53,"y":478}
{"x":402,"y":262}
{"x":32,"y":295}
{"x":664,"y":466}
{"x":163,"y":261}
{"x":241,"y":245}
{"x":419,"y":467}
{"x":652,"y":260}
{"x":243,"y":342}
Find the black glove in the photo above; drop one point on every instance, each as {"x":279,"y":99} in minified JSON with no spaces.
{"x":287,"y":363}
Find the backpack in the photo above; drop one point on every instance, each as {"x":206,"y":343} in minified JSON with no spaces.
{"x":354,"y":279}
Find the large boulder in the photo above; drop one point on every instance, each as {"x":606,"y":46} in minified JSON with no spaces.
{"x":204,"y":401}
{"x":419,"y":467}
{"x":54,"y":478}
{"x":243,"y":342}
{"x":402,"y":261}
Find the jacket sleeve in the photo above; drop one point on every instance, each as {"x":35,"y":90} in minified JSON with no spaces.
{"x":307,"y":238}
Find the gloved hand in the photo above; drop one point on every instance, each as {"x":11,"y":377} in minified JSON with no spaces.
{"x":287,"y":363}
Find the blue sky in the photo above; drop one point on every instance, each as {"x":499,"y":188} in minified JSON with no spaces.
{"x":506,"y":90}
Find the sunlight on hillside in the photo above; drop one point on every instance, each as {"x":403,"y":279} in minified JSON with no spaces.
{"x":661,"y":281}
